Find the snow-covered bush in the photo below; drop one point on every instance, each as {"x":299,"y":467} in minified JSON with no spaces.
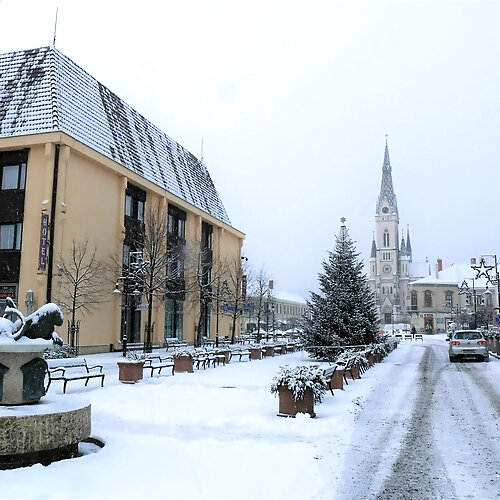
{"x":180,"y":352}
{"x":379,"y":349}
{"x":135,"y":356}
{"x":60,"y":352}
{"x":298,"y":379}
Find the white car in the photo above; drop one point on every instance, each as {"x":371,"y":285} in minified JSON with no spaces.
{"x":468,"y":344}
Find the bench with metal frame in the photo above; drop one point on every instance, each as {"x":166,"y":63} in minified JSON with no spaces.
{"x":72,"y":369}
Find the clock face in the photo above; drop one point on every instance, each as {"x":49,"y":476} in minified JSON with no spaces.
{"x":385,"y":210}
{"x":387,"y":269}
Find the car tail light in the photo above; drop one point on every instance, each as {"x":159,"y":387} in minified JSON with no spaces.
{"x":481,"y":342}
{"x":455,"y":342}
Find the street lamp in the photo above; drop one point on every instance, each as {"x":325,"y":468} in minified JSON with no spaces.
{"x":131,"y":276}
{"x":465,"y":290}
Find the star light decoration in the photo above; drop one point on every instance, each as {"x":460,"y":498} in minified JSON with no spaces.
{"x":483,"y":270}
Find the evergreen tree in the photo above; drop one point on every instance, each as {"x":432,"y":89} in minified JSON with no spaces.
{"x":344,"y":312}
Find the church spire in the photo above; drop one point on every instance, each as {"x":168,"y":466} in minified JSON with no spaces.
{"x":403,"y":245}
{"x":386,"y":188}
{"x":408,"y":244}
{"x":373,"y":254}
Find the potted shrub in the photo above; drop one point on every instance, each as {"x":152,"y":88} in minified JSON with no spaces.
{"x":130,"y":370}
{"x":379,"y":351}
{"x":183,"y":360}
{"x":255,"y":351}
{"x":299,"y":387}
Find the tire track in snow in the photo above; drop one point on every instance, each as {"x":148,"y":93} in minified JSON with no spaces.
{"x":380,"y":428}
{"x":419,"y":471}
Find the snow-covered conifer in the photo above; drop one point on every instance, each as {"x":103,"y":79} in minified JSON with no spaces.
{"x":343,"y":312}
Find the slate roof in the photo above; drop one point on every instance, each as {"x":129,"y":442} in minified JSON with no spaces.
{"x":42,"y":90}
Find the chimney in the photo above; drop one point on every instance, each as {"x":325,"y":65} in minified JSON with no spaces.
{"x":472,"y":261}
{"x":440,"y":265}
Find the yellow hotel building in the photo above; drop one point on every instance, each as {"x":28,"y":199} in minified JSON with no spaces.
{"x":78,"y":164}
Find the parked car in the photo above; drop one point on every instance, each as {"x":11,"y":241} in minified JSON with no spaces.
{"x":468,"y":344}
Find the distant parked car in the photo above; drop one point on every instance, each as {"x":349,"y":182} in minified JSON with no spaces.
{"x":468,"y":344}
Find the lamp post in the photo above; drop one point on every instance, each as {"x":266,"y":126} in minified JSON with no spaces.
{"x":129,"y":277}
{"x":465,"y":290}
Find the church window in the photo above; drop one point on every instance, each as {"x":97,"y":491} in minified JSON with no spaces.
{"x":386,"y":238}
{"x":427,"y":299}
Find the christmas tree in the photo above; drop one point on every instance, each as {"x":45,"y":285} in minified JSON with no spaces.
{"x":343,"y":313}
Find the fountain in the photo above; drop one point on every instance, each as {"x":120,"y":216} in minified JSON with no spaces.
{"x":33,"y":430}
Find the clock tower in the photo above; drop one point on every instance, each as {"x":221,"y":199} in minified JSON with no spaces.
{"x":389,"y":261}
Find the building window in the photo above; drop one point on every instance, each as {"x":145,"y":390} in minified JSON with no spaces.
{"x":386,"y":238}
{"x":174,"y":311}
{"x":427,"y":298}
{"x":14,"y":176}
{"x":134,"y":203}
{"x":10,"y":236}
{"x":414,"y":303}
{"x":448,"y":299}
{"x":176,"y":242}
{"x":176,"y":224}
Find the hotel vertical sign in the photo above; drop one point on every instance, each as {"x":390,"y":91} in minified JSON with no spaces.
{"x":44,"y":232}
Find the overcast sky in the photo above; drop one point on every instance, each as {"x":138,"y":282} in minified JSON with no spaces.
{"x":293,"y":99}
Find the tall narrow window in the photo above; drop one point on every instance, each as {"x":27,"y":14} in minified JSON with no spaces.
{"x":427,"y":298}
{"x":386,"y":238}
{"x":414,"y":304}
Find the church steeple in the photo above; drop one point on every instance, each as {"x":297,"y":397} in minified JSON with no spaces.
{"x":373,"y":254}
{"x":408,"y":244}
{"x":386,"y":188}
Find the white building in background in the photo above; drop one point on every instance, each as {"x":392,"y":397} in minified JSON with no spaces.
{"x":282,"y":310}
{"x":452,"y":294}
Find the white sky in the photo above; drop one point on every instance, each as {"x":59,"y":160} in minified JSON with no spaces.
{"x":292,"y":100}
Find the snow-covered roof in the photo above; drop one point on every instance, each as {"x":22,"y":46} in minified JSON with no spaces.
{"x":288,"y":297}
{"x":42,"y":90}
{"x":453,"y":275}
{"x":418,"y":270}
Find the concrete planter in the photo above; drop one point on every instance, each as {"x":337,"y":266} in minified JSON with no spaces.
{"x":269,"y":350}
{"x":183,"y":364}
{"x":289,"y":408}
{"x":130,"y":372}
{"x":338,"y":380}
{"x":355,"y":371}
{"x":255,"y":353}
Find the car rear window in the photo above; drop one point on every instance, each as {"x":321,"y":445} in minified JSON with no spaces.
{"x":468,"y":336}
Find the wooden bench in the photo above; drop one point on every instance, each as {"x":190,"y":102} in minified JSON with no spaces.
{"x":346,"y":367}
{"x":73,"y":369}
{"x":240,"y":353}
{"x":158,"y":363}
{"x":207,"y":358}
{"x":419,"y":336}
{"x":174,"y":342}
{"x":329,"y":374}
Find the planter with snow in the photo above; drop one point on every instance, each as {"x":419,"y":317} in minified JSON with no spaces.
{"x":130,"y":371}
{"x":298,"y":387}
{"x":183,"y":360}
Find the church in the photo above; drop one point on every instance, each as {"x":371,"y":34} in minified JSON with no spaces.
{"x":391,"y":260}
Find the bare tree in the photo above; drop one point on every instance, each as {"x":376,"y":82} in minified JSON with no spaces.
{"x":259,"y":296}
{"x":82,"y":284}
{"x":161,"y":262}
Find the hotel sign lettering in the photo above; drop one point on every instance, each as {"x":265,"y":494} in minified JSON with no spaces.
{"x":44,"y":233}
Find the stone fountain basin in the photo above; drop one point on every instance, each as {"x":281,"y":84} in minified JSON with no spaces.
{"x":44,"y":432}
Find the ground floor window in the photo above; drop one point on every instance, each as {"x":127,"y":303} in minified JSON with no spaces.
{"x":10,"y":236}
{"x":174,"y":313}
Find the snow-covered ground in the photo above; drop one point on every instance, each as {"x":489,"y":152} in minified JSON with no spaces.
{"x":213,"y":434}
